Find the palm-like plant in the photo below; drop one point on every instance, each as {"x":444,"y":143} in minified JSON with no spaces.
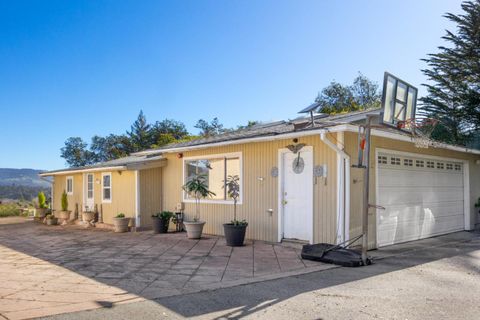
{"x":197,"y":187}
{"x":233,"y":191}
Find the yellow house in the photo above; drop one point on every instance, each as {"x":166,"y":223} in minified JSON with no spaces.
{"x":297,"y":181}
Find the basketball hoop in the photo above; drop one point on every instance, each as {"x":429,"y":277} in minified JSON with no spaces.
{"x":421,"y":130}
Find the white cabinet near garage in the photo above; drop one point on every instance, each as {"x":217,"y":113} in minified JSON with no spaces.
{"x":422,"y":196}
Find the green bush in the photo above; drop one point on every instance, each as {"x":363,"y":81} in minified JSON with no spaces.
{"x":120,"y":215}
{"x":164,"y":215}
{"x":9,"y":210}
{"x":42,"y":200}
{"x":64,"y":201}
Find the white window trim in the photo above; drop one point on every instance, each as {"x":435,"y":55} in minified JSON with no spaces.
{"x":70,"y":193}
{"x":209,"y":156}
{"x":111,"y":187}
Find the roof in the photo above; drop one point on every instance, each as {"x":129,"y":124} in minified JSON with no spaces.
{"x":266,"y":131}
{"x":133,"y":161}
{"x":301,"y":124}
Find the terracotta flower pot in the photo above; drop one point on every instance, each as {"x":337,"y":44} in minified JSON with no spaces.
{"x":194,"y":229}
{"x":120,"y":224}
{"x":88,"y":216}
{"x":52,"y":221}
{"x":64,"y":215}
{"x":40,"y":212}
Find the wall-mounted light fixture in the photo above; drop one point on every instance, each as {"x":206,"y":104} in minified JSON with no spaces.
{"x":179,"y":155}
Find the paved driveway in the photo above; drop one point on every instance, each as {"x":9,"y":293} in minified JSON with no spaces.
{"x":51,"y":270}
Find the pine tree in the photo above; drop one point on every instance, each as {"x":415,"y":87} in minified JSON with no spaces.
{"x":140,"y":134}
{"x":454,"y":75}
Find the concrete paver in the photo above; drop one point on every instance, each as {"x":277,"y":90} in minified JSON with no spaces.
{"x":49,"y":270}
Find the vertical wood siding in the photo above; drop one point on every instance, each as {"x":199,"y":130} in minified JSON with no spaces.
{"x":150,"y":194}
{"x":60,"y":184}
{"x":384,"y":143}
{"x":260,"y":190}
{"x":123,"y":195}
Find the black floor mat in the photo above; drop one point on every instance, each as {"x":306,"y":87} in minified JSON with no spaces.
{"x":329,"y":253}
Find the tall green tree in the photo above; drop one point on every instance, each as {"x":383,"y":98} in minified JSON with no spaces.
{"x":76,"y":154}
{"x":453,"y":91}
{"x":363,"y":94}
{"x":212,"y":128}
{"x":140,"y":133}
{"x":110,"y":147}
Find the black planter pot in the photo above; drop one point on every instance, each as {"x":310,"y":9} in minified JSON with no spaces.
{"x":234,"y":235}
{"x":160,"y":225}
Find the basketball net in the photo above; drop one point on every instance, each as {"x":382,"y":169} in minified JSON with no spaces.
{"x":421,"y":130}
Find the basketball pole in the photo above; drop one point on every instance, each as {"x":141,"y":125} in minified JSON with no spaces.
{"x":366,"y":191}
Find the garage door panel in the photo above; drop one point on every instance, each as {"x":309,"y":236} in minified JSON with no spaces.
{"x":397,"y":196}
{"x":420,"y":202}
{"x":407,"y":212}
{"x":418,"y":178}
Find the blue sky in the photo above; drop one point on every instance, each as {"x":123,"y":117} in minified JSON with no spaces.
{"x":80,"y":68}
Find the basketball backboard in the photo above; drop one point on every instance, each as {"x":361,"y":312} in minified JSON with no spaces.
{"x":399,"y":102}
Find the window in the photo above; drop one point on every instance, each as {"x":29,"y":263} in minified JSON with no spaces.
{"x":440,"y":165}
{"x":458,"y":167}
{"x":382,"y":159}
{"x":430,"y":164}
{"x":106,"y":187}
{"x":216,"y":170}
{"x":449,"y":166}
{"x":395,"y":161}
{"x":408,"y":162}
{"x":69,"y":186}
{"x":419,"y":163}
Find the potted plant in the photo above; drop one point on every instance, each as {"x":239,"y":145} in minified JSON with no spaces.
{"x":42,"y":205}
{"x":120,"y":223}
{"x":65,"y":213}
{"x":88,"y":214}
{"x":198,"y":188}
{"x":235,"y":230}
{"x":51,"y":220}
{"x":161,"y":221}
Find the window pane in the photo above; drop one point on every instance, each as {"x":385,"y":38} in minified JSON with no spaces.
{"x":106,"y":181}
{"x":69,"y":185}
{"x":106,"y":193}
{"x":216,"y":178}
{"x":233,"y":169}
{"x":215,"y":170}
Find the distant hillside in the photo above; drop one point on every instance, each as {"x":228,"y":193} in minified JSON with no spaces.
{"x":21,"y":184}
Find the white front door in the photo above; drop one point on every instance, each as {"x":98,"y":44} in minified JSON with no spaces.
{"x":297,"y":194}
{"x":89,"y":192}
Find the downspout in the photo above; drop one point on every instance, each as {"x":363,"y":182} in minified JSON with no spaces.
{"x":343,"y":186}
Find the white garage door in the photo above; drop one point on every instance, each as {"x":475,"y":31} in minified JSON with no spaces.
{"x":422,"y":198}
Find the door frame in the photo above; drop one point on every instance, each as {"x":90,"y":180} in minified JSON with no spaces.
{"x":85,"y":189}
{"x":281,"y":179}
{"x":466,"y":183}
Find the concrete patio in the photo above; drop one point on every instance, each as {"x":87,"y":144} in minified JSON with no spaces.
{"x":50,"y":270}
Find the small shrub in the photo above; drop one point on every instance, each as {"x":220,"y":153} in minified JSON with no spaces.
{"x":42,"y":200}
{"x":9,"y":210}
{"x":120,"y":215}
{"x":164,"y":215}
{"x":64,"y":201}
